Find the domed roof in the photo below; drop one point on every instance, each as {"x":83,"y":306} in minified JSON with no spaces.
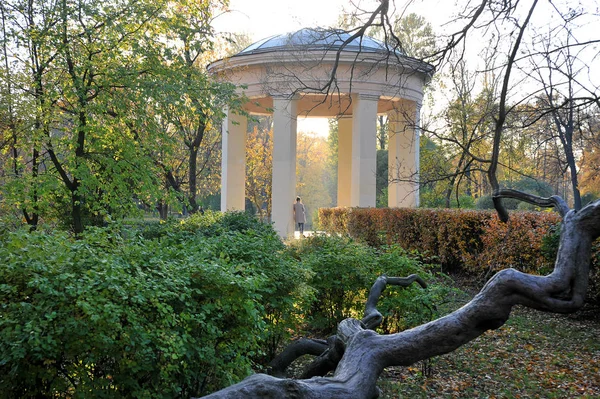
{"x":316,"y":39}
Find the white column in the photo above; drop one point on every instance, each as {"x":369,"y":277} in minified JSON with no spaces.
{"x":233,"y":162}
{"x":364,"y":150}
{"x":284,"y":165}
{"x":344,"y":183}
{"x":403,"y":155}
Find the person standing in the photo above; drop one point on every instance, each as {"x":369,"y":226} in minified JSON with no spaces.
{"x":299,"y":214}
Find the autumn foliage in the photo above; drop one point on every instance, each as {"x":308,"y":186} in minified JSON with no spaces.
{"x":470,"y":241}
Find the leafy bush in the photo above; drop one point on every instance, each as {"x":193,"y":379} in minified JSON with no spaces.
{"x":451,"y":235}
{"x":518,"y":244}
{"x":475,"y":242}
{"x":344,"y":271}
{"x":460,"y":239}
{"x":117,"y":314}
{"x":407,"y":307}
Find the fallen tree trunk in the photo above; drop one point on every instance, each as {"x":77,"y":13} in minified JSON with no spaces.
{"x":367,"y":353}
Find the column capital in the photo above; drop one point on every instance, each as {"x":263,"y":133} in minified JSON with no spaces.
{"x":366,"y":96}
{"x":288,"y":97}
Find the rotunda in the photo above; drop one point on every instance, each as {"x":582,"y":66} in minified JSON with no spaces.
{"x":326,"y":73}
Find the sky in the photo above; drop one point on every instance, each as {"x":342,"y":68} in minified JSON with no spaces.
{"x":263,"y":18}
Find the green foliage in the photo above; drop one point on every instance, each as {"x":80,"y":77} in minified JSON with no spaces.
{"x":416,"y":35}
{"x":342,"y":274}
{"x":381,"y":182}
{"x":434,"y":169}
{"x":344,"y":271}
{"x":163,"y":312}
{"x":112,"y":109}
{"x":407,"y":307}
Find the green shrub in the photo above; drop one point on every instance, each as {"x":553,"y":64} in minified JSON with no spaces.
{"x":341,"y":269}
{"x":407,"y":307}
{"x":344,"y":271}
{"x":117,"y":314}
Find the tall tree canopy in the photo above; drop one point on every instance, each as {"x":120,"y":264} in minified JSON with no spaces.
{"x":89,"y":90}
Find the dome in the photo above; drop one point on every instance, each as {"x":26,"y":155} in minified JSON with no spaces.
{"x":316,"y":39}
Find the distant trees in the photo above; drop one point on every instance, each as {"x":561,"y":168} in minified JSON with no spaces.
{"x":259,"y":167}
{"x":542,"y":108}
{"x":314,"y":174}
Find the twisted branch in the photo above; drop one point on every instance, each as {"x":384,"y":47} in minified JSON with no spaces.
{"x":552,"y":202}
{"x":330,"y":352}
{"x":368,"y":353}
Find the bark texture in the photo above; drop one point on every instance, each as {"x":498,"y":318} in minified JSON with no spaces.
{"x":367,"y":353}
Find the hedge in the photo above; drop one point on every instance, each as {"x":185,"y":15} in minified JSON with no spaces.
{"x":469,"y":241}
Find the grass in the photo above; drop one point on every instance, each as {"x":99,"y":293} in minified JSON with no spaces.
{"x":534,"y":355}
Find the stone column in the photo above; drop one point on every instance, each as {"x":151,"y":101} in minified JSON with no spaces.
{"x":344,"y":187}
{"x":364,"y":150}
{"x":403,"y":155}
{"x":283,"y":188}
{"x":233,"y":162}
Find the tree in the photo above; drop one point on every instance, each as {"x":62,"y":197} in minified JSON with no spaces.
{"x":92,"y":88}
{"x":560,"y":104}
{"x":332,"y":159}
{"x":364,"y":353}
{"x":312,"y":175}
{"x":416,"y":36}
{"x":468,"y":119}
{"x":259,"y":168}
{"x":590,"y":160}
{"x":193,"y":102}
{"x":79,"y":65}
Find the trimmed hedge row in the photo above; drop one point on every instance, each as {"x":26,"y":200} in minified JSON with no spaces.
{"x":461,"y":240}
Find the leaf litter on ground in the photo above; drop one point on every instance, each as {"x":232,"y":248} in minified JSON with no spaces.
{"x":534,"y":355}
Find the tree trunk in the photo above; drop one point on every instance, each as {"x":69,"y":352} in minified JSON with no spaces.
{"x":76,"y":209}
{"x":193,"y":163}
{"x":367,"y":353}
{"x":163,"y":210}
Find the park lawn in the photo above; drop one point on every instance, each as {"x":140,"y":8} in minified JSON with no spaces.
{"x":534,"y":355}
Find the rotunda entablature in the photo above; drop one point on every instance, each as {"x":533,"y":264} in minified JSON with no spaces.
{"x":300,"y":64}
